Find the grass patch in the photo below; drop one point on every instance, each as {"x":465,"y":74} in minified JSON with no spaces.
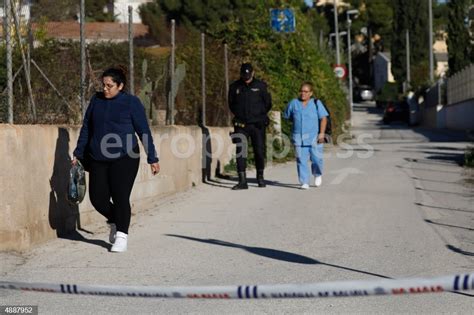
{"x":231,"y":167}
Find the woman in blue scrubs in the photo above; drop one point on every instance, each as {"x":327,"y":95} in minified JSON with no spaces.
{"x":308,"y":115}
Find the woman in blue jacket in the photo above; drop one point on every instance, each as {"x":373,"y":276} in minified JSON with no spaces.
{"x":307,"y":115}
{"x":109,"y":148}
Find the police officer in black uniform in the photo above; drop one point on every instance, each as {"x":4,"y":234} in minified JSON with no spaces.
{"x":250,"y":102}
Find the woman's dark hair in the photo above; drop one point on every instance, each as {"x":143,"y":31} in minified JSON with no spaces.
{"x":117,"y":74}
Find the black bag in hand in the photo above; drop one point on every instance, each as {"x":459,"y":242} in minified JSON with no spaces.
{"x":76,"y":189}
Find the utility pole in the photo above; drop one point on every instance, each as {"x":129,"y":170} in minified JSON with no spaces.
{"x":371,"y":56}
{"x":336,"y":30}
{"x":430,"y":10}
{"x":408,"y":60}
{"x":349,"y":56}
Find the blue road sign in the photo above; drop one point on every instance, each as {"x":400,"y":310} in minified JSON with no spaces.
{"x":283,"y":20}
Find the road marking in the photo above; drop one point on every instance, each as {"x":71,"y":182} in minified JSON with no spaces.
{"x":343,"y":173}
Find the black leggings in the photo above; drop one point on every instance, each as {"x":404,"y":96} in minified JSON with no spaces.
{"x":113,"y":179}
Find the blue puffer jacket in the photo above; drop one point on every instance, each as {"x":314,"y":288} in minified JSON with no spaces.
{"x":109,"y":128}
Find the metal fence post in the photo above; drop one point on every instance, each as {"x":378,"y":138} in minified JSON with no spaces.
{"x":226,"y":74}
{"x":471,"y":85}
{"x":25,"y":66}
{"x":407,"y":34}
{"x":172,"y":71}
{"x":83,"y":58}
{"x":203,"y":78}
{"x":130,"y":49}
{"x":7,"y":8}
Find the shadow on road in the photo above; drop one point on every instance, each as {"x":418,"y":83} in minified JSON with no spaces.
{"x":275,"y":254}
{"x":76,"y":236}
{"x":434,"y":181}
{"x":449,"y":225}
{"x":442,"y":208}
{"x":427,"y":169}
{"x":459,"y":251}
{"x":369,"y":108}
{"x":445,"y":192}
{"x":439,"y":159}
{"x":252,"y":181}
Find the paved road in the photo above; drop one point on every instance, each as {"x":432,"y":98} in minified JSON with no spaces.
{"x":393,"y":204}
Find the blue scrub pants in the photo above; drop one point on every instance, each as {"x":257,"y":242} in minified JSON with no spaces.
{"x":303,"y":154}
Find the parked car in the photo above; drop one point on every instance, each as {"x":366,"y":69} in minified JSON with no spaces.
{"x":363,"y":93}
{"x":396,"y":111}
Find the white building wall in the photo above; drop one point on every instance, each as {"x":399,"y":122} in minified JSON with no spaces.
{"x":23,"y":13}
{"x":121,"y":10}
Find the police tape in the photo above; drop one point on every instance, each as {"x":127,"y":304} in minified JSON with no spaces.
{"x":454,"y":283}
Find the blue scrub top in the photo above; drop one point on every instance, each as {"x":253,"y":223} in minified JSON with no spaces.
{"x":305,"y":120}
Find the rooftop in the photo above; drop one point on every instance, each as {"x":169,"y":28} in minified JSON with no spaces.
{"x":94,"y":31}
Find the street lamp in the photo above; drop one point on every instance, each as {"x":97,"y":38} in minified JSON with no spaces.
{"x":349,"y":55}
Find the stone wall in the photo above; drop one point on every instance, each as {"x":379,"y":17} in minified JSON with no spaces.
{"x":35,"y":161}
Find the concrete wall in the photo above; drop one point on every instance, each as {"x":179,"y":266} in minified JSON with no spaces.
{"x":433,"y":112}
{"x":460,"y":116}
{"x":434,"y":116}
{"x":34,"y":168}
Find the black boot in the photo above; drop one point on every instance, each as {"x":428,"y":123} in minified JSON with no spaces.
{"x":260,"y":180}
{"x":242,"y":182}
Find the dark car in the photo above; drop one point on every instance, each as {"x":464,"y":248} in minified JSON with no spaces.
{"x":396,"y":111}
{"x":363,"y":93}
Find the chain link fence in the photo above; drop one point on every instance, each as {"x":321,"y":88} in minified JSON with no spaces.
{"x":46,"y":69}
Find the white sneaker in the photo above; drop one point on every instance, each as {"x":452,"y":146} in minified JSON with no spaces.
{"x":318,"y":180}
{"x":113,"y":231}
{"x":120,"y":244}
{"x":304,"y":186}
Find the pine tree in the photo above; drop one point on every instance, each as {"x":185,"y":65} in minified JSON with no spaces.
{"x":412,"y":16}
{"x":95,"y":11}
{"x":380,"y":19}
{"x":459,"y":45}
{"x":398,"y":46}
{"x":53,"y":10}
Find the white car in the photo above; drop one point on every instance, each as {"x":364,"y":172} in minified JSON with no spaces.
{"x":363,"y":93}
